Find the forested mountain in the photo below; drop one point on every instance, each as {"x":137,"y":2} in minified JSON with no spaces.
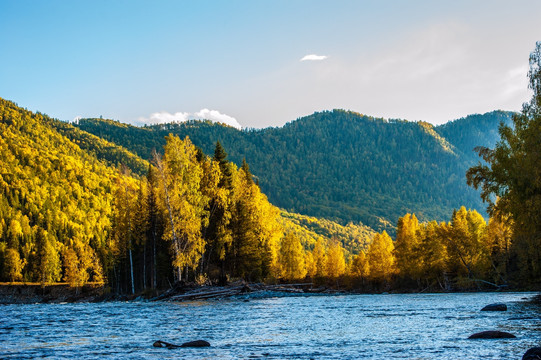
{"x":473,"y":131}
{"x":70,"y":210}
{"x":342,"y":165}
{"x":55,"y":199}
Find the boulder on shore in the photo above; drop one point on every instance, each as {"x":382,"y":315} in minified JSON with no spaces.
{"x":532,"y":354}
{"x":492,"y":334}
{"x":495,"y":307}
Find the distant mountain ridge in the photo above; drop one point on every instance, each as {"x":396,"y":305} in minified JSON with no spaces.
{"x":339,"y":164}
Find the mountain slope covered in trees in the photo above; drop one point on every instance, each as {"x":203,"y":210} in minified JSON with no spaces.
{"x":70,"y":210}
{"x":342,"y":165}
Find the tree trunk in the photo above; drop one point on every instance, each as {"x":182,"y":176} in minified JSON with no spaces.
{"x":145,"y":266}
{"x":131,"y":272}
{"x":154,"y":272}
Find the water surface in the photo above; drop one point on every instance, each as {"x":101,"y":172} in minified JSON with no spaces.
{"x":411,"y":326}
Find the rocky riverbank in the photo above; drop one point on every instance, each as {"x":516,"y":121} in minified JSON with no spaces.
{"x":60,"y":293}
{"x":57,"y":293}
{"x":242,"y":290}
{"x":21,"y":293}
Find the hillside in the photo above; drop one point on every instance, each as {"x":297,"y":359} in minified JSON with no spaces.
{"x":64,"y":206}
{"x":474,"y":130}
{"x":55,"y":198}
{"x":342,"y":165}
{"x":353,"y":237}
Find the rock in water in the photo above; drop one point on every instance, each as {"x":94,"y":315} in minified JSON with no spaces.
{"x":160,"y":343}
{"x":532,"y":354}
{"x":492,"y":334}
{"x":495,"y":307}
{"x":196,"y":343}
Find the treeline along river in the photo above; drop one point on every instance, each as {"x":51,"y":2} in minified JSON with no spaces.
{"x":395,"y":326}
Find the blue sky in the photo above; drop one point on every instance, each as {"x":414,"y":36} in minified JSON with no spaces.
{"x":239,"y":61}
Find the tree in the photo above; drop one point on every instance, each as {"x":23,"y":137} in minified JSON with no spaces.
{"x":219,"y":186}
{"x":13,"y":265}
{"x":50,"y":269}
{"x":407,"y":247}
{"x":125,"y":212}
{"x":220,"y":156}
{"x":499,"y":235}
{"x":335,"y":264}
{"x":433,"y":253}
{"x":510,"y":180}
{"x":154,"y":221}
{"x":360,"y":267}
{"x":380,"y":258}
{"x":180,"y":177}
{"x":291,"y":258}
{"x":319,"y":258}
{"x":467,"y":249}
{"x":256,"y":231}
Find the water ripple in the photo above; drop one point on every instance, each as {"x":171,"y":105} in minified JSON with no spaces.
{"x":412,"y":326}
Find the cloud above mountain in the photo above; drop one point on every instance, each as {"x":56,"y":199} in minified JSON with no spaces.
{"x":215,"y":116}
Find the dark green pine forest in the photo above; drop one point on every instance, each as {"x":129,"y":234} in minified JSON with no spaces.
{"x":341,"y":165}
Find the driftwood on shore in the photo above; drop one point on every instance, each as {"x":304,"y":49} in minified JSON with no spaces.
{"x":216,"y":292}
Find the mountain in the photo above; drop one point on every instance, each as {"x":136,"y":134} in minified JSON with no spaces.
{"x":55,"y":197}
{"x":59,"y":203}
{"x":341,"y":165}
{"x":474,"y":130}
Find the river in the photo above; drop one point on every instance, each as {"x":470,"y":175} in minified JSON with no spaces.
{"x":395,"y":326}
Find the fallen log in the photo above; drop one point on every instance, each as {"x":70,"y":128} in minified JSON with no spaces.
{"x":206,"y":294}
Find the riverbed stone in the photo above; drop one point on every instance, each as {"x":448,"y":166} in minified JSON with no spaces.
{"x":196,"y":343}
{"x":495,"y":307}
{"x":532,"y":354}
{"x":492,"y":334}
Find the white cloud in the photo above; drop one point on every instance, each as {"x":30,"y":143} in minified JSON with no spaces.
{"x":313,"y":57}
{"x":163,"y":117}
{"x":216,"y":116}
{"x":76,"y":119}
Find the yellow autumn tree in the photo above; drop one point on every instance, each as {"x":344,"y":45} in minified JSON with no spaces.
{"x":319,"y":257}
{"x":380,"y":258}
{"x":180,"y":176}
{"x":468,"y":252}
{"x":407,"y":247}
{"x":359,"y":267}
{"x":310,"y":264}
{"x":291,"y":258}
{"x":13,"y":265}
{"x":50,"y":267}
{"x":256,"y":230}
{"x":433,"y":253}
{"x":335,"y":264}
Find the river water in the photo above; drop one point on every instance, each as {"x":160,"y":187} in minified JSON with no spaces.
{"x":412,"y":326}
